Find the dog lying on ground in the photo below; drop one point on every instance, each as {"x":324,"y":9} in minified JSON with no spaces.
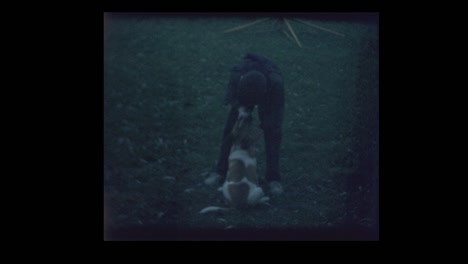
{"x":241,"y":187}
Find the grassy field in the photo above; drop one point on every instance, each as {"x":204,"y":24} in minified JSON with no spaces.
{"x":164,"y":80}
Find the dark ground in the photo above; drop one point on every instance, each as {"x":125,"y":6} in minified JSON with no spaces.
{"x":164,"y":79}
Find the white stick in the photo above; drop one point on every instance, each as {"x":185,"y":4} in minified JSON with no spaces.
{"x":245,"y":25}
{"x":321,"y":28}
{"x":292,"y":32}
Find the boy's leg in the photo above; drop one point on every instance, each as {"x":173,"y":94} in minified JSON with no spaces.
{"x":271,"y":117}
{"x":223,"y":162}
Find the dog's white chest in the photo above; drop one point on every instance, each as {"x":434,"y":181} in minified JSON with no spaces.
{"x":242,"y":155}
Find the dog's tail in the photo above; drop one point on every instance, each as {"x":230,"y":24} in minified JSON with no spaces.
{"x":213,"y":209}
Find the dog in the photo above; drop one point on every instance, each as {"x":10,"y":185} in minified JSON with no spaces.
{"x":241,"y":188}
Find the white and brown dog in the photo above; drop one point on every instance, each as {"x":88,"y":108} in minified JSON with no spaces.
{"x":241,"y":187}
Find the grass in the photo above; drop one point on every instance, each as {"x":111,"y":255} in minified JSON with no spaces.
{"x":164,"y":80}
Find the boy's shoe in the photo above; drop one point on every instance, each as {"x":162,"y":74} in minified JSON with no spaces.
{"x":212,"y":178}
{"x":276,"y":188}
